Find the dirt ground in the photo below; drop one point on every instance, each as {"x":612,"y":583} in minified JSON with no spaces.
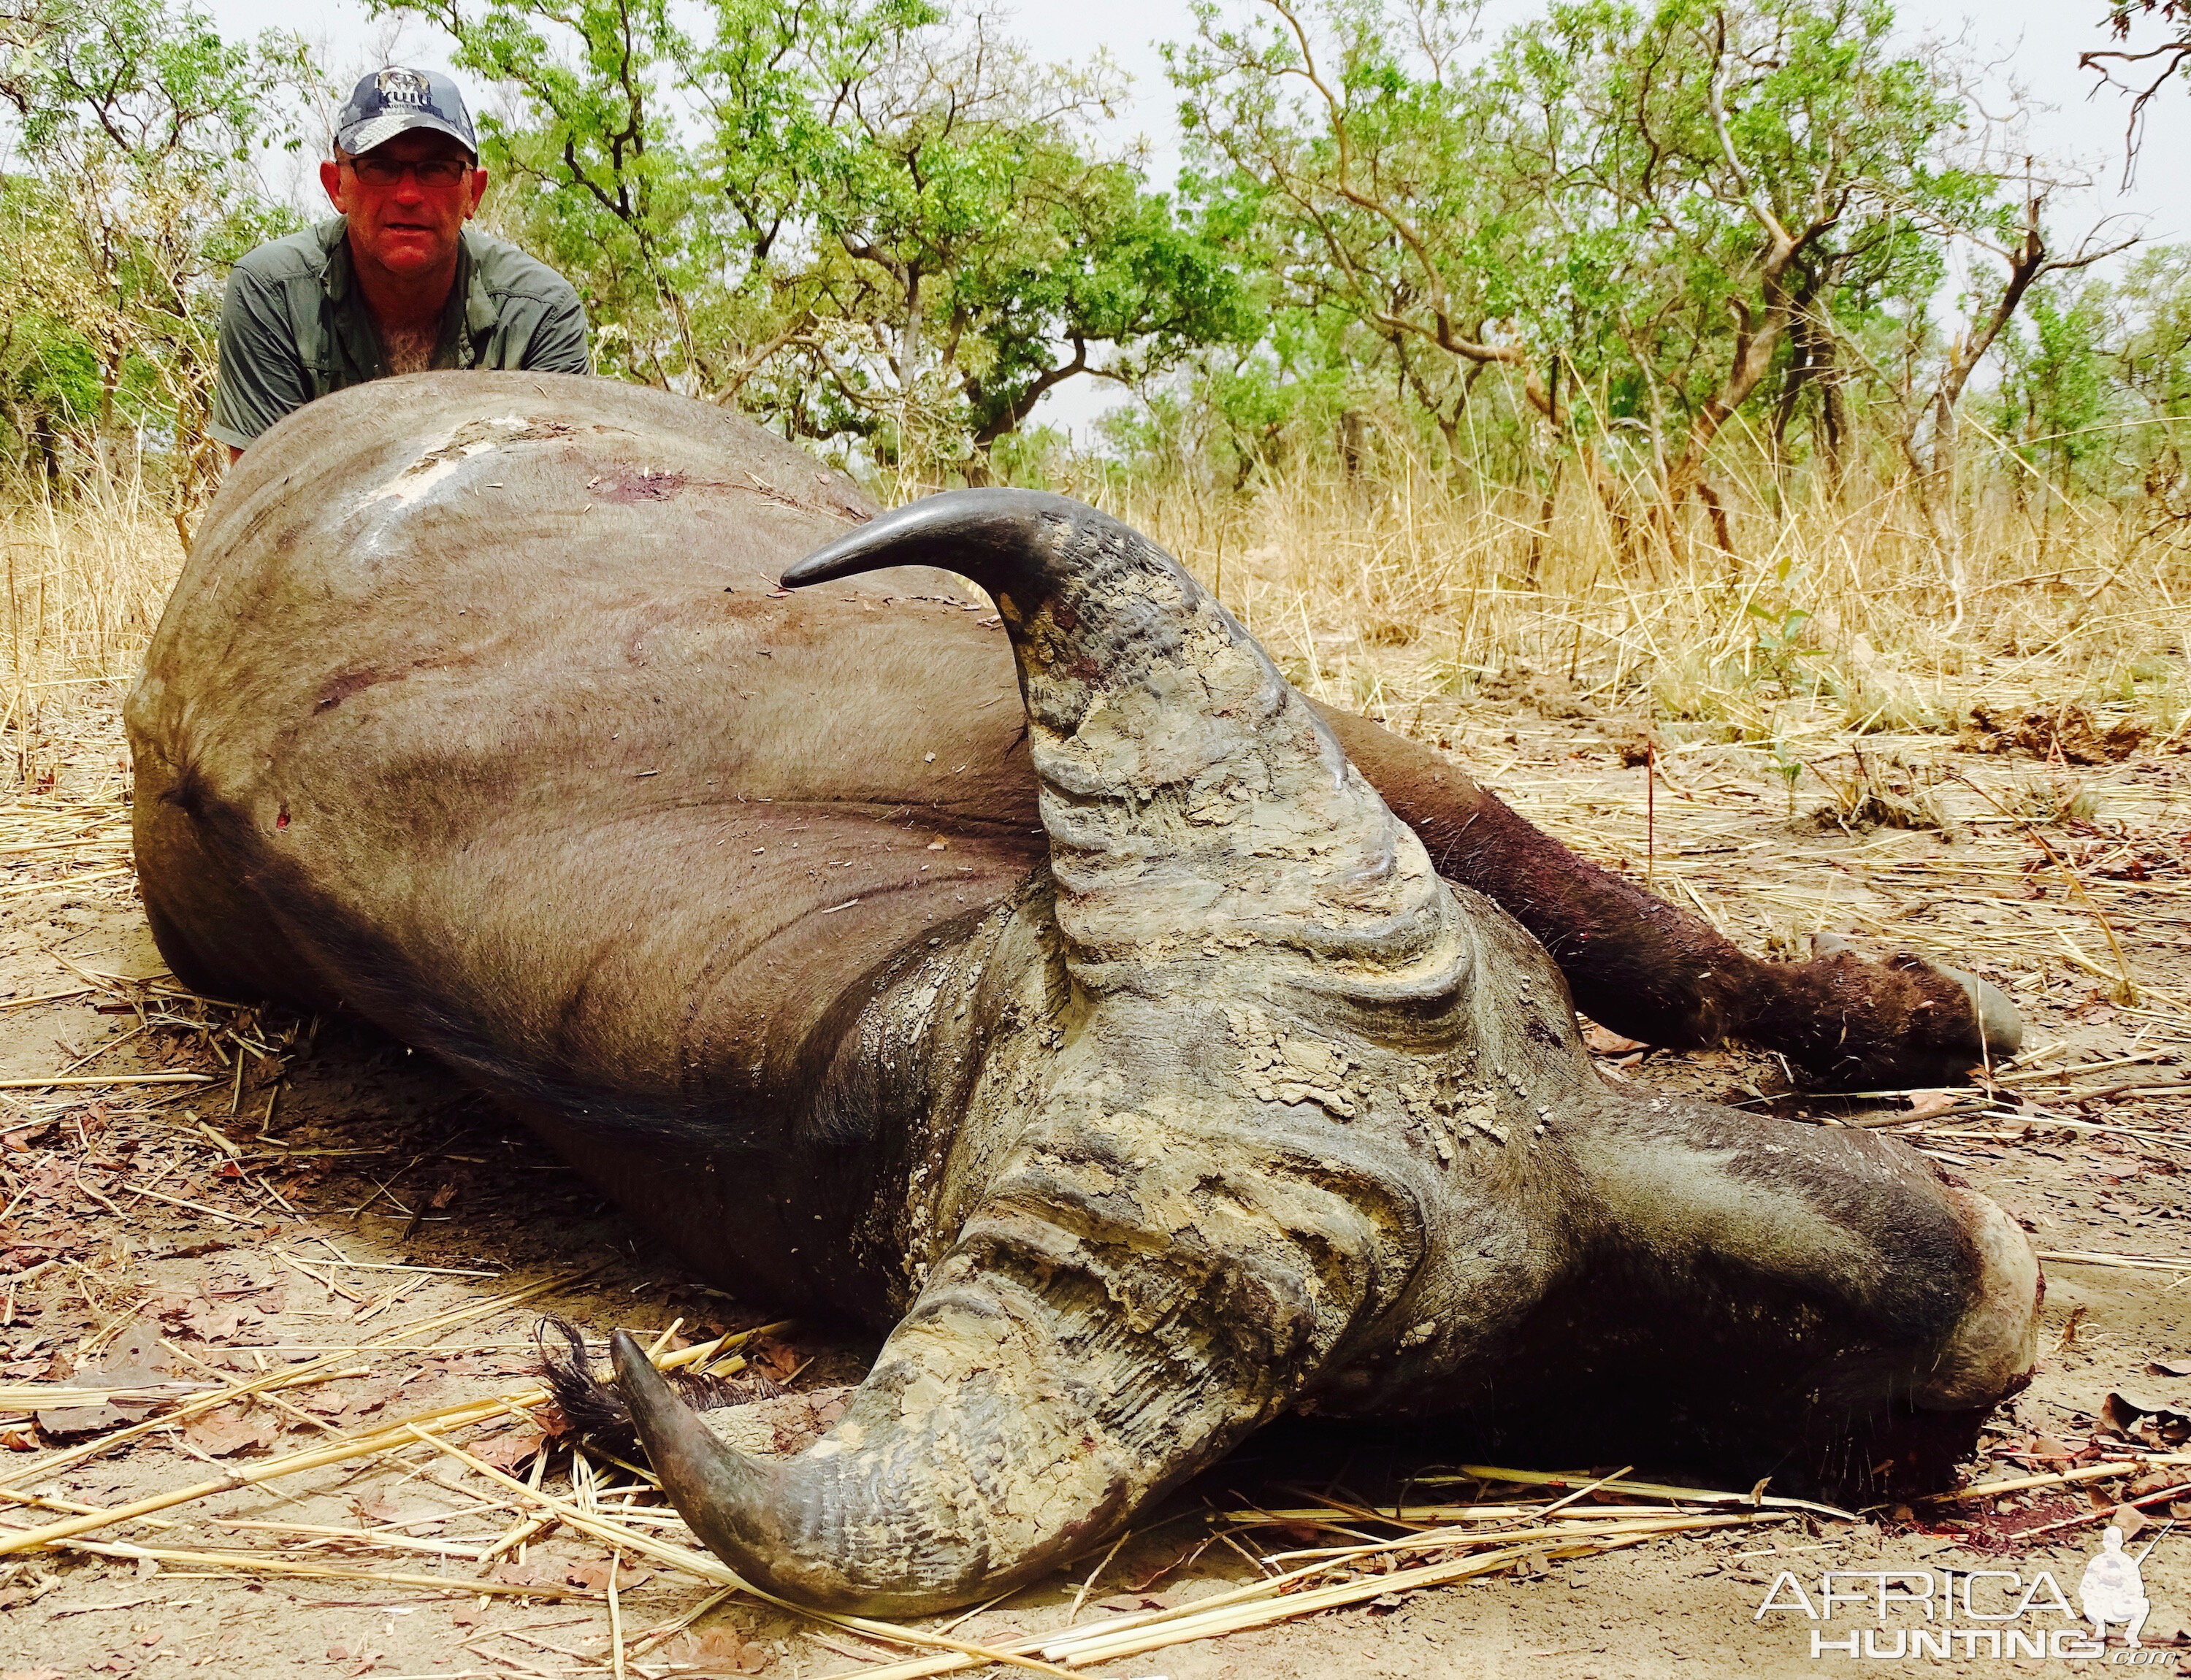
{"x":322,"y":1195}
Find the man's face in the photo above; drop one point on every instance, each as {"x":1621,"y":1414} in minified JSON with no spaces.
{"x":407,"y":200}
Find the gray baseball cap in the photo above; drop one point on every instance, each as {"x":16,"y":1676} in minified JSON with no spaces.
{"x":396,"y":101}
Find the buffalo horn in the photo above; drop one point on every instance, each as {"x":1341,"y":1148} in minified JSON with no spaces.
{"x":1020,"y":1412}
{"x":1191,"y":796}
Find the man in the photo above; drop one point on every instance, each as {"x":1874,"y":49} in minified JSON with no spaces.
{"x":396,"y":283}
{"x":2113,"y":1590}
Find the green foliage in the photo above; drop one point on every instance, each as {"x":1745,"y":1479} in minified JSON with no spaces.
{"x":868,"y":225}
{"x":2154,"y":329}
{"x":1623,"y":239}
{"x":135,"y":126}
{"x":2056,"y":393}
{"x":1780,"y":640}
{"x":2151,"y":346}
{"x":1607,"y":224}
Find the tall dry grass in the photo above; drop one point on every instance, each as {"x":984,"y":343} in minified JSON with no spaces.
{"x":1402,"y":591}
{"x":1830,"y":615}
{"x":84,"y":582}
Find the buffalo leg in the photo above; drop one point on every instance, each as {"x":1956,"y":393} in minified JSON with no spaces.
{"x":1668,"y":978}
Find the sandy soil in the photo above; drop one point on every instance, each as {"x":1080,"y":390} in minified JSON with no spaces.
{"x":215,"y":1233}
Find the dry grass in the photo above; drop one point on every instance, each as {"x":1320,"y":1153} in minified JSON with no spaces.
{"x":84,"y":584}
{"x":1406,"y":591}
{"x":1830,"y":619}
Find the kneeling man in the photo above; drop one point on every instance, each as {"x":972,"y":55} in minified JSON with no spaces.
{"x":395,"y":283}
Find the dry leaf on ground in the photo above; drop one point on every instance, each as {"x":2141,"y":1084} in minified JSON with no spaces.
{"x":2120,"y":1411}
{"x":720,"y":1650}
{"x":596,"y":1575}
{"x":135,"y":1360}
{"x":219,"y":1437}
{"x":509,"y":1448}
{"x":2129,"y":1519}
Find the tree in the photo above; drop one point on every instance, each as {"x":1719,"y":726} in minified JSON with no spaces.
{"x":1626,"y":213}
{"x":143,"y":124}
{"x":1930,"y":430}
{"x":1346,"y":156}
{"x":2150,"y":343}
{"x":2055,"y":395}
{"x":2145,"y":72}
{"x":49,"y":370}
{"x":866,"y":223}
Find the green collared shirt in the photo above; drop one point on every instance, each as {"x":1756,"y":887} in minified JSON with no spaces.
{"x":294,"y":327}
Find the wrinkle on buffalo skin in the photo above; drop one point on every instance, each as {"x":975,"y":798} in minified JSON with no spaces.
{"x":1037,"y":976}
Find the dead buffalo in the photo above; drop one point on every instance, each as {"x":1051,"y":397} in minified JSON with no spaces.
{"x":1149,"y":1054}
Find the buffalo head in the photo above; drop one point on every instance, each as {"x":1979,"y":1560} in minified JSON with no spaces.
{"x":1283,"y":1120}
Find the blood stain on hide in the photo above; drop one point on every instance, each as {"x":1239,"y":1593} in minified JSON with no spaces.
{"x":644,"y":486}
{"x":342,"y":687}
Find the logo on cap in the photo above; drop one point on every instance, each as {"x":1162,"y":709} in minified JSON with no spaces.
{"x":397,"y":100}
{"x":404,"y":88}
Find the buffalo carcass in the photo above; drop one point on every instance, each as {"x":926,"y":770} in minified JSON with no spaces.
{"x":1111,"y":1041}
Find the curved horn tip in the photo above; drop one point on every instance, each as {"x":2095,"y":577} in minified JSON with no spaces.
{"x":705,"y":1479}
{"x":630,"y":1360}
{"x":945,"y":529}
{"x":657,"y":1411}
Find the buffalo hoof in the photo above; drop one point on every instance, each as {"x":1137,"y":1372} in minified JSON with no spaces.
{"x":2000,"y":1029}
{"x":1940,"y":1052}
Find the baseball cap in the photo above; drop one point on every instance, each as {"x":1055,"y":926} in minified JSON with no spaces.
{"x":396,"y":101}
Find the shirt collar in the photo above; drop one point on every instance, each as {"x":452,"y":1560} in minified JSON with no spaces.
{"x":335,"y":277}
{"x":351,"y":325}
{"x":471,"y":284}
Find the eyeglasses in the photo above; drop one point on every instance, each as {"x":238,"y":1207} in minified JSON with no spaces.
{"x":385,"y":171}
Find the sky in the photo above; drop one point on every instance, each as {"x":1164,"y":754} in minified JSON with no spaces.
{"x":2027,"y":50}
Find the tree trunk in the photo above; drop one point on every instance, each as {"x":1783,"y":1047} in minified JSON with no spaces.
{"x":1545,"y":523}
{"x":1722,"y":531}
{"x":1834,"y":428}
{"x":1810,"y":351}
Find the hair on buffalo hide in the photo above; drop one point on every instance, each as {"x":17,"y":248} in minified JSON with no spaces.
{"x":595,"y":1410}
{"x":190,"y":792}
